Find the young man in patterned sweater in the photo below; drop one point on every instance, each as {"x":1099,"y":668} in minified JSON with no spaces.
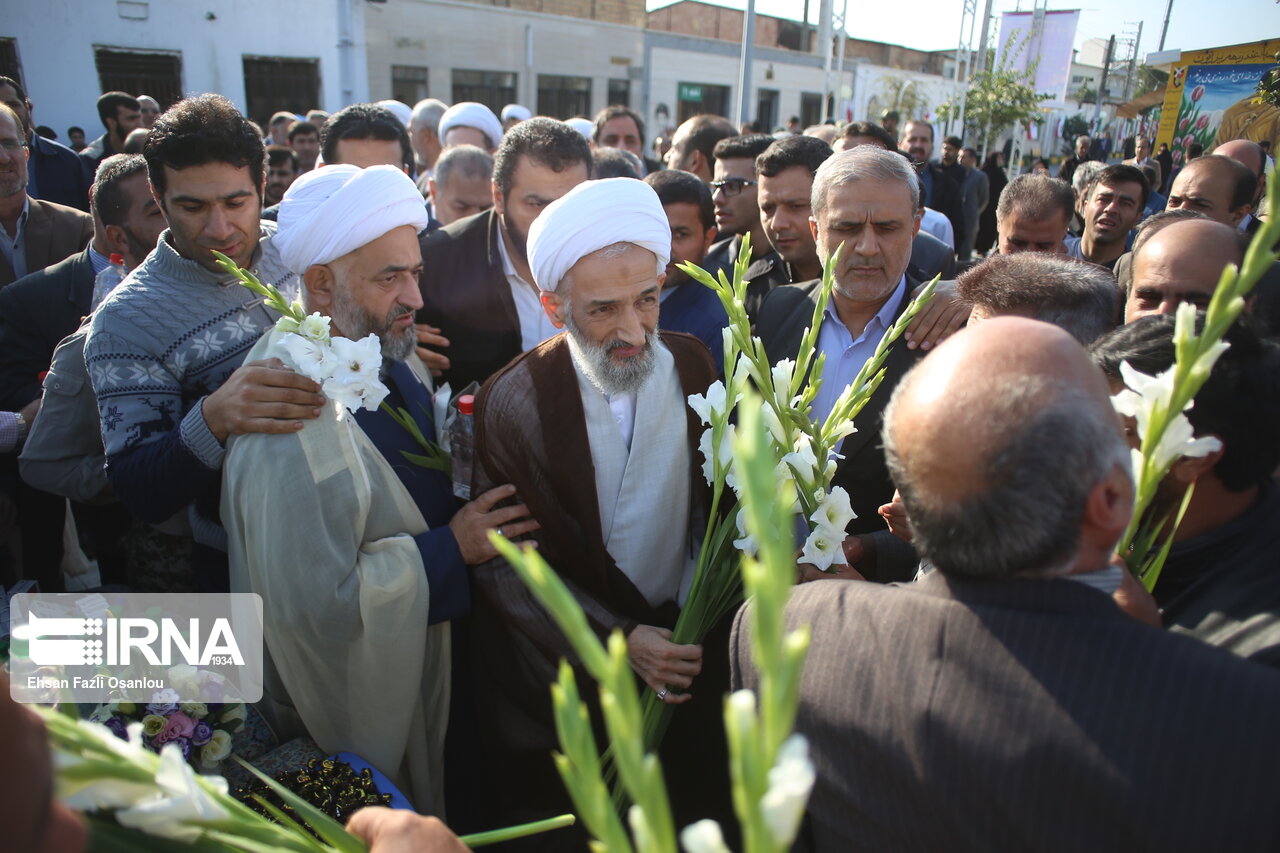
{"x":165,"y":350}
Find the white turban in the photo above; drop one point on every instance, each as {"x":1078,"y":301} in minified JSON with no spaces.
{"x":516,"y":112}
{"x":593,"y":215}
{"x":331,"y":211}
{"x":585,"y":126}
{"x":398,"y":109}
{"x":471,"y":114}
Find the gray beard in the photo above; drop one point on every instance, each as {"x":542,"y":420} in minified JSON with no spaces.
{"x":356,"y":323}
{"x":602,"y":371}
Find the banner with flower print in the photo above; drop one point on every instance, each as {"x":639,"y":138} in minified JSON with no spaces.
{"x":1210,"y":98}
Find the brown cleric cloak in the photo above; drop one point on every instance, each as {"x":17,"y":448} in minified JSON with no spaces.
{"x":530,"y":431}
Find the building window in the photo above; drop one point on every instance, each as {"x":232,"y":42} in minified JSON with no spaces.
{"x":273,"y":83}
{"x":154,"y":73}
{"x":810,"y":108}
{"x":9,"y":64}
{"x":620,"y":93}
{"x":494,"y":89}
{"x":766,"y":110}
{"x":563,"y":97}
{"x":408,"y":83}
{"x":695,"y":98}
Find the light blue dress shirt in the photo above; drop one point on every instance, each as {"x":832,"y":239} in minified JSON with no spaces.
{"x":845,"y":354}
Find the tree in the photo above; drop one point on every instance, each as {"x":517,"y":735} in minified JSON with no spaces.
{"x":903,"y":95}
{"x":1076,"y":125}
{"x":997,"y":98}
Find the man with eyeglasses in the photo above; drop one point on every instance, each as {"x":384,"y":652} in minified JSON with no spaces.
{"x":733,"y":191}
{"x":36,"y":233}
{"x":54,"y":172}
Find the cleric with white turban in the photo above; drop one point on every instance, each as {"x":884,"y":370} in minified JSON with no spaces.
{"x":473,"y":115}
{"x":334,"y":210}
{"x":591,"y":216}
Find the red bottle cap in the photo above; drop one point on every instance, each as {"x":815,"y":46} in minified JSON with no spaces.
{"x":115,"y":258}
{"x":466,"y":404}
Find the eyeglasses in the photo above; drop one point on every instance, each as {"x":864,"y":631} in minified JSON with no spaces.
{"x":12,"y":146}
{"x":732,"y":186}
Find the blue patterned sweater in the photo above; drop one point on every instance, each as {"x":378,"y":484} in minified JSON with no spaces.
{"x":169,"y":335}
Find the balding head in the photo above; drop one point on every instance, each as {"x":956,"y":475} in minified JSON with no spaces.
{"x":1220,"y":187}
{"x":1252,"y":156}
{"x":1181,"y":262}
{"x":1008,"y":454}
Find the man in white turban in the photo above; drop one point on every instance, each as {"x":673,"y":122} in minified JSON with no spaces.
{"x":470,"y":123}
{"x":592,"y":428}
{"x":360,"y":557}
{"x":513,"y":114}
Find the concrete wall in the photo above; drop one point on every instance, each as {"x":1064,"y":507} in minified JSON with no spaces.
{"x":629,"y":12}
{"x":56,"y":41}
{"x":442,"y":35}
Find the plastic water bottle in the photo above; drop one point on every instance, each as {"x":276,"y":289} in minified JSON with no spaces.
{"x":111,"y":275}
{"x":462,"y":446}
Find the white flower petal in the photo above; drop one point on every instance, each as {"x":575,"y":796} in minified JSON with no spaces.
{"x":823,"y":548}
{"x":790,"y":781}
{"x":179,"y":800}
{"x":703,"y":837}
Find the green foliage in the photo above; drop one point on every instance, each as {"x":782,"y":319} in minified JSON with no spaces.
{"x":1074,"y":126}
{"x":998,"y":97}
{"x":1268,"y":91}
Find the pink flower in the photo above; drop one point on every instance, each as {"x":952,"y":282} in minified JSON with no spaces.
{"x":1184,"y":124}
{"x":179,"y":725}
{"x":1202,"y":123}
{"x":1177,"y":157}
{"x":1197,"y":93}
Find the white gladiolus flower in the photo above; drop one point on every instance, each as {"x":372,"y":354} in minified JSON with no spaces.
{"x":834,"y":511}
{"x":287,"y":325}
{"x":802,"y":460}
{"x":1147,"y":392}
{"x":774,"y":425}
{"x":725,"y":453}
{"x":315,"y":328}
{"x":710,"y":406}
{"x":703,"y":837}
{"x":790,"y":781}
{"x":842,"y":430}
{"x":179,"y":800}
{"x":823,"y":548}
{"x":782,"y":372}
{"x":746,"y":543}
{"x":354,"y":380}
{"x":314,"y":361}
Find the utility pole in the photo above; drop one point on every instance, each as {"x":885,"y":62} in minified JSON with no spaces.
{"x":1164,"y":30}
{"x":744,"y":67}
{"x":1102,"y":84}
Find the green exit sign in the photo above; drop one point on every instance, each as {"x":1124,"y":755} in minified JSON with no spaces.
{"x":690,"y":92}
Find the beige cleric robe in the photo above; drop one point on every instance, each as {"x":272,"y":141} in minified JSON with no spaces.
{"x":643,"y":492}
{"x":321,"y":527}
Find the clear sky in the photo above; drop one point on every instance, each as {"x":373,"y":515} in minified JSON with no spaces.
{"x":935,"y":24}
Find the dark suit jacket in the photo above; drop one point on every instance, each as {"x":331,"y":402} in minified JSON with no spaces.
{"x":786,"y":313}
{"x":946,"y":198}
{"x":930,"y":256}
{"x":53,"y":232}
{"x":466,"y":295}
{"x":36,"y":313}
{"x":61,"y":176}
{"x":1024,"y":714}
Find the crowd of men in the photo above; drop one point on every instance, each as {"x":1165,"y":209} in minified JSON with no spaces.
{"x":983,"y":673}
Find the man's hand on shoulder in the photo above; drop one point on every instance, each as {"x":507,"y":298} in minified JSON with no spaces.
{"x":472,"y":523}
{"x":662,"y":664}
{"x":940,"y":319}
{"x":261,"y":396}
{"x":429,"y":337}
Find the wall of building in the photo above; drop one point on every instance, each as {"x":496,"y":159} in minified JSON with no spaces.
{"x":56,"y":41}
{"x":629,"y":12}
{"x":443,"y":35}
